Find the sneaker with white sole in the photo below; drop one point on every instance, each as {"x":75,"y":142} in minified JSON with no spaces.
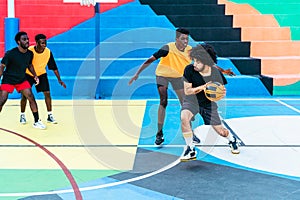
{"x":189,"y":154}
{"x":39,"y":124}
{"x":22,"y":119}
{"x":159,"y":139}
{"x":51,"y":119}
{"x":234,"y":146}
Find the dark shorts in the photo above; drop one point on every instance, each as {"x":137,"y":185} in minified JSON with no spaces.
{"x":43,"y":86}
{"x":19,"y":87}
{"x":210,"y":115}
{"x":177,"y":83}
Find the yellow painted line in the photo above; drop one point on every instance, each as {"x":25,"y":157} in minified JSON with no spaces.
{"x":115,"y":122}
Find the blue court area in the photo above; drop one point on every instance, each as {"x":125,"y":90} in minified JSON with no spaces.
{"x":267,"y":167}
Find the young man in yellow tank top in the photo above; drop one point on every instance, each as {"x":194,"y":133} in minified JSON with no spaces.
{"x":42,"y":57}
{"x":173,"y":56}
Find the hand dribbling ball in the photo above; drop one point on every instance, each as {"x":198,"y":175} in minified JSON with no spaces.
{"x":215,"y":91}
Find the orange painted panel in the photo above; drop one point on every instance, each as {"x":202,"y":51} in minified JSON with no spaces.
{"x":275,"y":48}
{"x":282,"y":80}
{"x":254,"y":20}
{"x":265,"y":33}
{"x":280,"y":65}
{"x":239,"y":9}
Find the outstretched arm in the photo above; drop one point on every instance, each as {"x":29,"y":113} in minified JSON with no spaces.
{"x":142,"y":67}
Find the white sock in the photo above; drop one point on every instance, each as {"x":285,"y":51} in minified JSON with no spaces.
{"x":22,"y":113}
{"x":188,"y":137}
{"x":49,"y":112}
{"x":230,"y":137}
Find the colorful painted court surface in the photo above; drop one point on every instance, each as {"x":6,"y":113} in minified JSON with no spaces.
{"x":103,"y":149}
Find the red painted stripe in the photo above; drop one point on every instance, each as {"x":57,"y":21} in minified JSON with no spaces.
{"x":57,"y":160}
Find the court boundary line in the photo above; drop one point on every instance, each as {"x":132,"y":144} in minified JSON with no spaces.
{"x":95,"y":187}
{"x":148,"y":146}
{"x":68,"y":174}
{"x":289,"y":106}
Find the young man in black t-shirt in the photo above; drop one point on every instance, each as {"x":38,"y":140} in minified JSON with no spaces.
{"x":12,"y":69}
{"x":196,"y":76}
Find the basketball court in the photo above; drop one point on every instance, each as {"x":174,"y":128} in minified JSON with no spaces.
{"x":104,"y":149}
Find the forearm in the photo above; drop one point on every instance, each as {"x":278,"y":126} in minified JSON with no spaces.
{"x":189,"y":90}
{"x":31,"y":69}
{"x":57,"y":75}
{"x":1,"y":69}
{"x":145,"y":64}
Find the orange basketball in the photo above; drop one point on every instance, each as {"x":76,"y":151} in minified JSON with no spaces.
{"x":215,"y":91}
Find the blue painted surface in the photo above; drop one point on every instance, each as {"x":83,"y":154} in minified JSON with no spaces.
{"x":122,"y":191}
{"x":135,"y":37}
{"x":126,"y":42}
{"x":231,"y":108}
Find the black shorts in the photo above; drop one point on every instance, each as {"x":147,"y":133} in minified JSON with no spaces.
{"x":177,"y":83}
{"x":209,"y":114}
{"x":43,"y":86}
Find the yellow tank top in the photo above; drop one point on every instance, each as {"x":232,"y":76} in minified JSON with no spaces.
{"x":40,"y":61}
{"x":174,"y":63}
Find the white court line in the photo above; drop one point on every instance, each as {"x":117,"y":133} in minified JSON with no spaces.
{"x":176,"y":162}
{"x":289,"y":106}
{"x":246,"y":99}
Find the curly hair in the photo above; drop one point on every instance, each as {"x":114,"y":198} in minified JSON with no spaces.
{"x":201,"y":54}
{"x":211,"y":51}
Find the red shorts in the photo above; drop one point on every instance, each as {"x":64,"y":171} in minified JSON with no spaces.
{"x":19,"y":87}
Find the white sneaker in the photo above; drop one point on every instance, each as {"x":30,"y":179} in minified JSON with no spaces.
{"x":22,"y":119}
{"x":39,"y":124}
{"x":51,"y":119}
{"x":189,"y":154}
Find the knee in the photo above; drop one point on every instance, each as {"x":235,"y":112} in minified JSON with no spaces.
{"x":2,"y":100}
{"x":47,"y":95}
{"x":164,"y":102}
{"x":224,"y":132}
{"x":23,"y":98}
{"x":185,"y":122}
{"x":30,"y":97}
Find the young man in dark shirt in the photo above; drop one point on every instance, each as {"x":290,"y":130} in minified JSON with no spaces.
{"x":12,"y":69}
{"x":196,"y":77}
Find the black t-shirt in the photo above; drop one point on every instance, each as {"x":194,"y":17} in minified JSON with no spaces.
{"x":194,"y":77}
{"x":16,"y":63}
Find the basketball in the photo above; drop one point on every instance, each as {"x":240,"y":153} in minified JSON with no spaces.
{"x":214,"y":91}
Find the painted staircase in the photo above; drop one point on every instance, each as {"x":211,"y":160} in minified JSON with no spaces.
{"x":207,"y":22}
{"x":273,"y":29}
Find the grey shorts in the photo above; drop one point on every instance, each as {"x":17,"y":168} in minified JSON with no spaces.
{"x":209,"y":114}
{"x":177,"y":83}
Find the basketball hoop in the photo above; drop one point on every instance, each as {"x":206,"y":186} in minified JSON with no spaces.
{"x":88,"y":3}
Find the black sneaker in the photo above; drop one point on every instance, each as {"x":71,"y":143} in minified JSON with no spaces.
{"x":159,"y":138}
{"x":234,"y":146}
{"x":196,"y":140}
{"x":51,"y":119}
{"x":189,"y":154}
